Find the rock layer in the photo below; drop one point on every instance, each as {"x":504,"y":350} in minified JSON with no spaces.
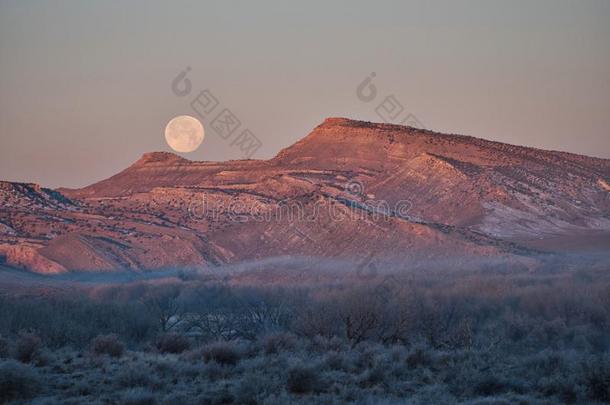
{"x":350,"y":189}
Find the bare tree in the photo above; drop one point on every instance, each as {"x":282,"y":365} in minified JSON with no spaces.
{"x":165,"y":305}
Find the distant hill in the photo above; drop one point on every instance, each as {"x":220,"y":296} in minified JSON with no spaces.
{"x":350,"y":189}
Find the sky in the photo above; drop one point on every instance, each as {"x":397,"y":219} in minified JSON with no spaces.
{"x":86,"y":87}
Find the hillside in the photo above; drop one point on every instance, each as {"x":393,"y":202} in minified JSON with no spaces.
{"x":350,"y":190}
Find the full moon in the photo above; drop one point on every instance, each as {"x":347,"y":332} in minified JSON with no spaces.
{"x":184,"y":133}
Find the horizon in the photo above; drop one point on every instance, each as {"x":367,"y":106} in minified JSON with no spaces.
{"x":186,"y":156}
{"x":78,"y":104}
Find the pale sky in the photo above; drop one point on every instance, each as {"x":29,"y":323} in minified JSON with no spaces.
{"x":85,"y":88}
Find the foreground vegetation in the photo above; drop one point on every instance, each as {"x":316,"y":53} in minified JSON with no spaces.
{"x":493,"y":338}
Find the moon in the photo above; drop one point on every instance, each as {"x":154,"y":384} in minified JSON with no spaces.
{"x":184,"y":133}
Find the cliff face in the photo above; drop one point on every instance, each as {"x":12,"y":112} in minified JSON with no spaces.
{"x":349,"y":189}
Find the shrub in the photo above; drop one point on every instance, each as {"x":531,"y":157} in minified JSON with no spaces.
{"x":302,"y":380}
{"x":222,"y":353}
{"x":419,"y":358}
{"x":139,"y":396}
{"x":134,"y":376}
{"x":250,"y":390}
{"x":220,"y":395}
{"x":373,"y":376}
{"x":560,"y":386}
{"x":597,"y":379}
{"x":17,"y":381}
{"x":335,"y":361}
{"x":323,"y":344}
{"x":107,"y":344}
{"x":177,"y":398}
{"x":278,"y":342}
{"x":28,"y":347}
{"x":172,"y":343}
{"x":367,"y":355}
{"x":4,"y":348}
{"x":490,"y":385}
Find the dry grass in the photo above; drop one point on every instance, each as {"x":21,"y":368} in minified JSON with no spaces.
{"x":536,"y":339}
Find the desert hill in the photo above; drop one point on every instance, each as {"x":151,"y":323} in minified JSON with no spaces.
{"x":350,"y":189}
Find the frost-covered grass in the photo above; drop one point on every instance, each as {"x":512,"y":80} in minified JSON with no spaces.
{"x":484,"y":340}
{"x":367,"y":373}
